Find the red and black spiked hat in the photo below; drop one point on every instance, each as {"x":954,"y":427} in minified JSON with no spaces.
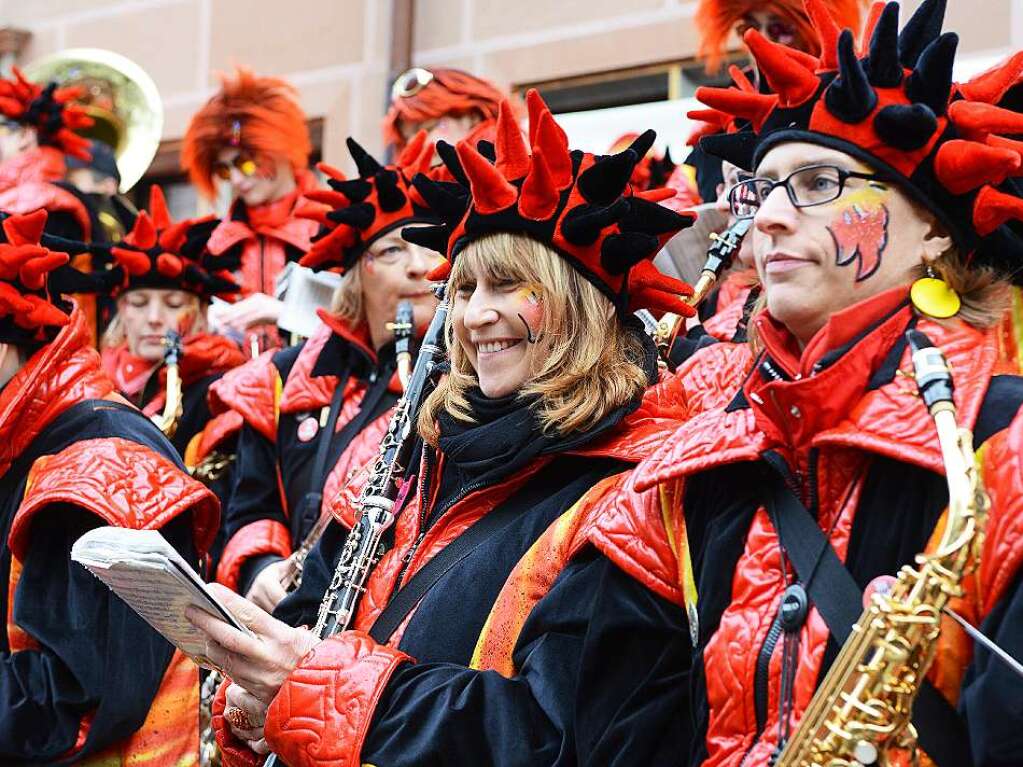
{"x":33,"y":279}
{"x":582,"y":206}
{"x":160,"y":253}
{"x":893,"y":105}
{"x":355,"y":212}
{"x":48,"y":109}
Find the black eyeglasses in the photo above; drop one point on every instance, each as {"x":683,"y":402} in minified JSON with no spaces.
{"x":806,"y":187}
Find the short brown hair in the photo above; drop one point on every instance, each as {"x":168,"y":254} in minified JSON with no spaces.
{"x":594,"y":365}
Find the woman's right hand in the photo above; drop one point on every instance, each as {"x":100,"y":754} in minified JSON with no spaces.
{"x":266,"y":589}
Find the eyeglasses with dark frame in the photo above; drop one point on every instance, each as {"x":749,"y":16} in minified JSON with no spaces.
{"x":806,"y":187}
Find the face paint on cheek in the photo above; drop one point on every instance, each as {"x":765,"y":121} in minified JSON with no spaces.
{"x":368,"y":264}
{"x":860,"y":232}
{"x":532,"y":313}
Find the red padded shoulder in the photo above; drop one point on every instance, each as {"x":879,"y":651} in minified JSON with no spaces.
{"x":252,"y":391}
{"x":122,"y":482}
{"x":324,"y":708}
{"x":264,"y":536}
{"x":42,"y":195}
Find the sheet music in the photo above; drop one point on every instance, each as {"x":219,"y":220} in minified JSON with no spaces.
{"x":154,"y":580}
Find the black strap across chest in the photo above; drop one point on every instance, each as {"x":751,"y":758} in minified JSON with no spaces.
{"x":490,"y":525}
{"x":839,"y":600}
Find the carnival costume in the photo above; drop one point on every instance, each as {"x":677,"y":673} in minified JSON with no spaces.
{"x":490,"y":683}
{"x":84,"y":679}
{"x":284,"y":398}
{"x":839,"y":424}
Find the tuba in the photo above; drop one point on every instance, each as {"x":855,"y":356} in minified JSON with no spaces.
{"x":118,"y":95}
{"x":861,"y":713}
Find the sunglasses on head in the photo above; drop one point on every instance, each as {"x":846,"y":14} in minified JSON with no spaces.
{"x":243,"y":162}
{"x":410,"y":82}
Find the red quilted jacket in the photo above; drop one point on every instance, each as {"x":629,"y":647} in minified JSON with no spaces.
{"x":832,"y":422}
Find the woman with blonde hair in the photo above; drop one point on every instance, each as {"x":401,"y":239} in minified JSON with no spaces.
{"x":547,"y":403}
{"x":338,"y":386}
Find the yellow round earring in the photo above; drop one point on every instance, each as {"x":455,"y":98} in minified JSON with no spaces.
{"x":934,"y":297}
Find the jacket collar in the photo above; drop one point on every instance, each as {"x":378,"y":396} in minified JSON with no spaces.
{"x":276,"y":220}
{"x":61,"y":373}
{"x":864,"y":397}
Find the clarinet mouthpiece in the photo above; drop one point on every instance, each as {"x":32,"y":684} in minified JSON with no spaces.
{"x":933,"y":377}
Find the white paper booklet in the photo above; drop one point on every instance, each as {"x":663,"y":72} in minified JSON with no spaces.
{"x":154,"y":580}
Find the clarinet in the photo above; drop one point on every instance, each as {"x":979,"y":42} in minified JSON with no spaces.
{"x":363,"y":549}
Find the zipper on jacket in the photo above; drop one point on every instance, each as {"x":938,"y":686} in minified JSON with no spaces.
{"x":762,"y":680}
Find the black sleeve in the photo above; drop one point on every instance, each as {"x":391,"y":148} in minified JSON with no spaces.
{"x":301,"y":606}
{"x":255,"y":494}
{"x":596,"y":674}
{"x":991,"y":700}
{"x":96,"y":654}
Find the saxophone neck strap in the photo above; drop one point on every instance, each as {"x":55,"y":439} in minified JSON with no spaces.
{"x":941,"y":731}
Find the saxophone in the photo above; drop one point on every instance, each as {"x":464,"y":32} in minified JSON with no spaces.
{"x":861,"y":713}
{"x":173,"y":405}
{"x":722,"y":251}
{"x":384,"y":490}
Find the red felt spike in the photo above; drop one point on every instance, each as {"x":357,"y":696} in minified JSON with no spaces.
{"x":785,"y":72}
{"x":742,"y":82}
{"x":711,"y":116}
{"x":158,"y":208}
{"x":423,"y":161}
{"x":174,"y":236}
{"x":873,"y":17}
{"x":990,"y":86}
{"x":535,"y":106}
{"x":169,"y":265}
{"x":331,"y":172}
{"x":133,"y":262}
{"x":540,"y":197}
{"x":11,"y":301}
{"x":143,"y":234}
{"x":827,"y":32}
{"x":315,"y":212}
{"x":33,"y":272}
{"x":552,"y":143}
{"x":1005,"y":143}
{"x":491,"y":191}
{"x":512,"y":153}
{"x":977,"y":120}
{"x":410,"y":154}
{"x":327,"y":247}
{"x":754,"y":107}
{"x":26,"y":228}
{"x":992,"y":208}
{"x":440,"y":272}
{"x":41,"y":313}
{"x":962,"y":166}
{"x":327,"y":197}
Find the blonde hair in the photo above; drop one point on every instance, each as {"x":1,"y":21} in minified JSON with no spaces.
{"x":593,"y":364}
{"x":347,"y":303}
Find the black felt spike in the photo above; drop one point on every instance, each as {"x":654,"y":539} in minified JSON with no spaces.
{"x":921,"y":30}
{"x":447,"y":200}
{"x":355,"y":189}
{"x":196,"y":237}
{"x":906,"y":126}
{"x":433,"y":237}
{"x":931,"y":81}
{"x":620,"y":252}
{"x":884,"y":69}
{"x":737,"y":148}
{"x":487,"y":149}
{"x":582,"y":225}
{"x":604,"y":181}
{"x":651,"y":218}
{"x":643,"y":142}
{"x":359,"y":215}
{"x":449,"y":156}
{"x":365,"y":163}
{"x":390,"y":196}
{"x":850,"y":96}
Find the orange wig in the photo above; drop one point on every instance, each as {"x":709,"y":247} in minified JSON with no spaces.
{"x":716,"y":20}
{"x":450,"y":92}
{"x":258,"y":114}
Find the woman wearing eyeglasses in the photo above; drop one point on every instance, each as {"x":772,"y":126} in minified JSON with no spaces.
{"x":252,"y":137}
{"x":883,"y":200}
{"x":314,"y":412}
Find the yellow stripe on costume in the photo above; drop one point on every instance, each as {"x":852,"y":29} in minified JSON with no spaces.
{"x":675,"y":527}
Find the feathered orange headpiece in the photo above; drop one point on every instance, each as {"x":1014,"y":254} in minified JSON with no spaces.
{"x":258,"y":114}
{"x":449,"y":92}
{"x":716,"y":20}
